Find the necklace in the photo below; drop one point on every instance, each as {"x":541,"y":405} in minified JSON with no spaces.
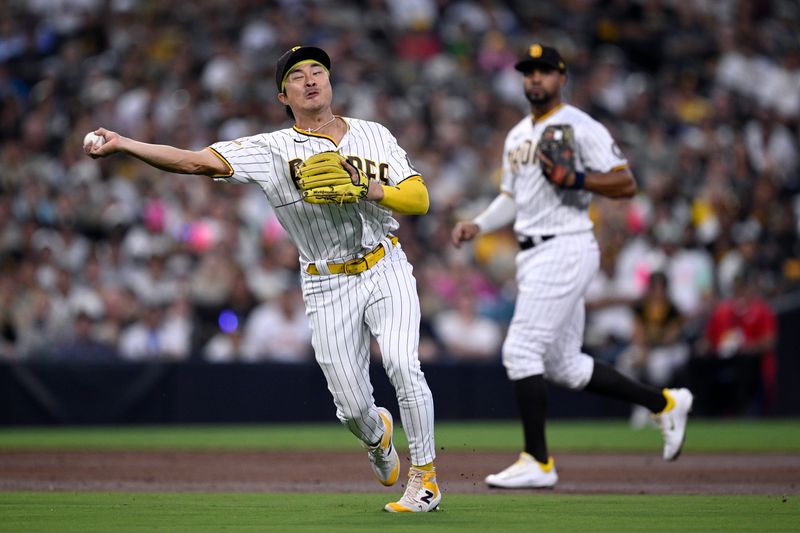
{"x":314,"y":130}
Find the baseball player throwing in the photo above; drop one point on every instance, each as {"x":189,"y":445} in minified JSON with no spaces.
{"x":333,"y":183}
{"x":553,"y":161}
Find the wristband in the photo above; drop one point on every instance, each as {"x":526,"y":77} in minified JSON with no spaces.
{"x":580,"y":179}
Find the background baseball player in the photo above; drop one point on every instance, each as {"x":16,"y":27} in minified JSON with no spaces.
{"x":553,"y":161}
{"x":333,"y":183}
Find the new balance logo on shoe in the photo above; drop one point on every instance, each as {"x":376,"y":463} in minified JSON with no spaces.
{"x":422,"y":493}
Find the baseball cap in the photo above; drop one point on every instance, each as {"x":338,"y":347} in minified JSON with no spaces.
{"x":541,"y":56}
{"x":296,"y":55}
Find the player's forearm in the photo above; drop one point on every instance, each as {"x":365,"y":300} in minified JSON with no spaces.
{"x":410,"y":197}
{"x":614,"y":184}
{"x":501,"y":212}
{"x":169,"y":158}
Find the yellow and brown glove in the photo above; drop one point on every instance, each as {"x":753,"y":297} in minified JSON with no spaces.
{"x":328,"y":178}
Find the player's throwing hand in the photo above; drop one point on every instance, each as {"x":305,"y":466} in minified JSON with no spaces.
{"x":108,"y":145}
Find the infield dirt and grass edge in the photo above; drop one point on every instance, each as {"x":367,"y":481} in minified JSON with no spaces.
{"x":196,"y":509}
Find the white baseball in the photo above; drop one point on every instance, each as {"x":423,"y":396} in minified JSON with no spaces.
{"x":92,"y":140}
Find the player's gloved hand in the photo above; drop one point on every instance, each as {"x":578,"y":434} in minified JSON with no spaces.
{"x":556,"y":153}
{"x":328,"y":178}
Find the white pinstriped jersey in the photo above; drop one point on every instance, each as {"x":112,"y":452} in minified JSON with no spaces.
{"x":321,"y":232}
{"x":544,"y":208}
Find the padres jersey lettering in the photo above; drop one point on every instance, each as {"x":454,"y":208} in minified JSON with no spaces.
{"x":543,"y":208}
{"x":373,"y":170}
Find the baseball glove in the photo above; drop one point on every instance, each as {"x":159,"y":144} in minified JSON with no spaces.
{"x":328,"y":178}
{"x":556,"y":153}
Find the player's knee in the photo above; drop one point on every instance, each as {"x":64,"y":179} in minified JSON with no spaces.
{"x":521,"y":360}
{"x":405,"y":378}
{"x":572,"y":376}
{"x":572,"y":381}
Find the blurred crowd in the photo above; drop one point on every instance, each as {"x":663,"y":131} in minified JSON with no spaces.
{"x":111,"y":259}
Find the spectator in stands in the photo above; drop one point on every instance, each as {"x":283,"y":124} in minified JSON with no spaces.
{"x":736,"y":367}
{"x":771,"y":147}
{"x":278,"y":330}
{"x":609,"y":318}
{"x":83,"y":346}
{"x":736,"y":260}
{"x":465,"y":334}
{"x":226,"y":345}
{"x":178,"y":329}
{"x":689,"y":269}
{"x":267,"y":278}
{"x":153,"y":338}
{"x":657,"y":352}
{"x":37,"y":325}
{"x":153,"y":284}
{"x":8,"y":329}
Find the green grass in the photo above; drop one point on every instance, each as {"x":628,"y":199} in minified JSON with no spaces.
{"x":581,"y":436}
{"x":198,"y":512}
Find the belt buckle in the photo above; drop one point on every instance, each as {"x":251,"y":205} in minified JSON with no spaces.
{"x":353,"y":266}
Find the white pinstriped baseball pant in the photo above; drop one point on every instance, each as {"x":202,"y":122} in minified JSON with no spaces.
{"x":546,"y":331}
{"x":343,"y":310}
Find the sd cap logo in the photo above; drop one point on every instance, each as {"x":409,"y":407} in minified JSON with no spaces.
{"x":535,"y":50}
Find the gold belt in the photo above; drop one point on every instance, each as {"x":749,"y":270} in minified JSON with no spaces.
{"x":357,"y":265}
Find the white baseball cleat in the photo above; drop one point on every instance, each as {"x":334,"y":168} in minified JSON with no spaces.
{"x":673,"y":421}
{"x":526,"y":473}
{"x":422,"y":493}
{"x":383,"y":456}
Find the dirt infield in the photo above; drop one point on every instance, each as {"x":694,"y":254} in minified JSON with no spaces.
{"x":349,"y":472}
